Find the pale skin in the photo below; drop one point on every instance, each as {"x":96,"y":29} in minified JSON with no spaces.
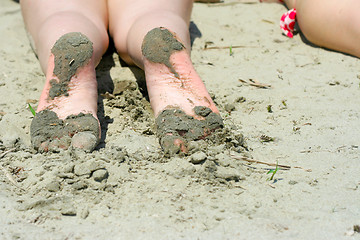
{"x":127,"y":22}
{"x":331,"y":24}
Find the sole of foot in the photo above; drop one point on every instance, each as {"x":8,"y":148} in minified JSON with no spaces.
{"x":66,"y":115}
{"x":182,"y":106}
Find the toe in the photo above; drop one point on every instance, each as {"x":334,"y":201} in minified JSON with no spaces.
{"x":84,"y":140}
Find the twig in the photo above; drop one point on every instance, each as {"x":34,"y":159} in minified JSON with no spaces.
{"x":227,"y":47}
{"x":267,"y":21}
{"x":255,"y":83}
{"x":6,"y":152}
{"x":307,"y":170}
{"x":281,"y":167}
{"x":252,"y":109}
{"x":208,"y":1}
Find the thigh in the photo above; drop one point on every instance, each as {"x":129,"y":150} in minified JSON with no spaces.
{"x":123,"y":13}
{"x":35,"y":12}
{"x":135,"y":8}
{"x":331,"y":23}
{"x":47,"y":20}
{"x":130,"y":20}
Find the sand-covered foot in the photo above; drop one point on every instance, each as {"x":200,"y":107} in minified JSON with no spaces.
{"x":66,"y":115}
{"x":182,"y":106}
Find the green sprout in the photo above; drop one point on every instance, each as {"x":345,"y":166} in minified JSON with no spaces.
{"x":273,"y":171}
{"x":31,"y":109}
{"x":231,"y":51}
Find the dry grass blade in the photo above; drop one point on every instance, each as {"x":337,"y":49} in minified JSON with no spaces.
{"x":6,"y":152}
{"x":267,"y":21}
{"x":255,"y":83}
{"x":281,"y":167}
{"x":227,"y":47}
{"x":208,"y":1}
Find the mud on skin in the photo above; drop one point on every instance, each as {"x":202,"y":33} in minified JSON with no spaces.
{"x":175,"y":128}
{"x":49,"y":133}
{"x":71,"y":51}
{"x":158,"y":45}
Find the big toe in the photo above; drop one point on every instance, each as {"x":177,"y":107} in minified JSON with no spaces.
{"x":49,"y":133}
{"x":84,"y":140}
{"x":175,"y":128}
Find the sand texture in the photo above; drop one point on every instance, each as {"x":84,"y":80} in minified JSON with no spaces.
{"x":282,"y":100}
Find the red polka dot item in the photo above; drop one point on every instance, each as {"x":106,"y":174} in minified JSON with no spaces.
{"x":287,"y":23}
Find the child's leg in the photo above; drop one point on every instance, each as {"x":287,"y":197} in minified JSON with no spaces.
{"x":70,"y":86}
{"x":290,"y":3}
{"x":332,"y":24}
{"x":171,"y":79}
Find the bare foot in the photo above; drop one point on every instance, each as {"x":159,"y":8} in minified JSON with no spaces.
{"x":182,"y":106}
{"x":68,"y":103}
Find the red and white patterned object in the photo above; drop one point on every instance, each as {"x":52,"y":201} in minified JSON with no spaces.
{"x":287,"y":23}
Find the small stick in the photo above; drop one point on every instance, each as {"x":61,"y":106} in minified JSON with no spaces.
{"x":255,"y":83}
{"x":227,"y":47}
{"x":6,"y":152}
{"x":208,"y":1}
{"x":285,"y":167}
{"x":267,"y":21}
{"x":282,"y":167}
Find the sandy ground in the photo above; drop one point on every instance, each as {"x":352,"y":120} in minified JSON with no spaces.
{"x":307,"y":120}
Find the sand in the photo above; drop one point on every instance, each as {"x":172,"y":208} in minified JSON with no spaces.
{"x":295,"y":104}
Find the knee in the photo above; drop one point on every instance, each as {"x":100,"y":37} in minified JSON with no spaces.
{"x":68,"y":21}
{"x":129,"y":38}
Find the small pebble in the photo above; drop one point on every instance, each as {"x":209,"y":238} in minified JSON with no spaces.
{"x":84,"y":213}
{"x":68,"y":210}
{"x":84,"y":140}
{"x":292,"y":182}
{"x":53,"y":186}
{"x":240,"y":99}
{"x":100,"y":175}
{"x":79,"y":185}
{"x":229,"y":107}
{"x":68,"y":168}
{"x":198,"y":157}
{"x":82,"y":169}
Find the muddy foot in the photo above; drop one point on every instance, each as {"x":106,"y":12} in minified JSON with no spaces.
{"x":49,"y":133}
{"x":183,"y":107}
{"x":175,"y":129}
{"x":68,"y":104}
